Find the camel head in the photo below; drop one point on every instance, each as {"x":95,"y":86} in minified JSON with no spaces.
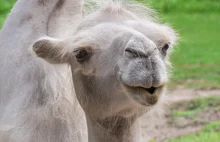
{"x":119,"y":67}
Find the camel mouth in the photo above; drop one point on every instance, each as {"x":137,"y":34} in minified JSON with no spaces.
{"x":151,"y":90}
{"x":144,"y":96}
{"x":141,"y":95}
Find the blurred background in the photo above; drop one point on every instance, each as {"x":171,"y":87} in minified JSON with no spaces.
{"x":195,"y":85}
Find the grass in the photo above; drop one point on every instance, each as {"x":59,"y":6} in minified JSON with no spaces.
{"x":209,"y":133}
{"x":191,"y":108}
{"x":189,"y":6}
{"x":5,"y":6}
{"x":196,"y":60}
{"x":212,"y":126}
{"x":199,"y":137}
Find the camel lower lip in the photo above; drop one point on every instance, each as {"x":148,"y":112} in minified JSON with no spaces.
{"x":145,"y":100}
{"x":152,"y":100}
{"x":144,"y":96}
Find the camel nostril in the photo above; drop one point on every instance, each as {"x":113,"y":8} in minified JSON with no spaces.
{"x":151,"y":90}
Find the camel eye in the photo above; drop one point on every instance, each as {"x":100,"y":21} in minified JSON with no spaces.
{"x":82,"y":55}
{"x":133,"y":53}
{"x":164,"y":49}
{"x":130,"y":53}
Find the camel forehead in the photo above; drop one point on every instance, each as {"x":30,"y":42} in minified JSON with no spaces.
{"x":106,"y":32}
{"x":152,"y":30}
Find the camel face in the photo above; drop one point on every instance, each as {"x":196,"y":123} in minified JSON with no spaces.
{"x":118,"y":66}
{"x":124,"y":60}
{"x":112,"y":65}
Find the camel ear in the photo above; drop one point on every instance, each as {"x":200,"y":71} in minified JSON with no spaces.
{"x":52,"y":50}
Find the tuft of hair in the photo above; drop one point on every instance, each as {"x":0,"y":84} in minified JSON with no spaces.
{"x":142,"y":11}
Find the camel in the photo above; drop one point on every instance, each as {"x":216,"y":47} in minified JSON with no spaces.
{"x":70,"y":78}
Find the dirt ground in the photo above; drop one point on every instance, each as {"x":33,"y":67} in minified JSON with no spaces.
{"x":163,"y":129}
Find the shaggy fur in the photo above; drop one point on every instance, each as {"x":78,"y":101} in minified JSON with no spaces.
{"x":37,"y":99}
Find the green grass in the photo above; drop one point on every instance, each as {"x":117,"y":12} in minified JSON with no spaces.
{"x":189,"y":6}
{"x":5,"y":6}
{"x":197,"y":58}
{"x":188,"y":109}
{"x":212,"y":126}
{"x":183,"y":113}
{"x":209,"y":133}
{"x":191,"y":108}
{"x":199,"y":137}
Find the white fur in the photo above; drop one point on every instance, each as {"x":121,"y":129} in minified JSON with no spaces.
{"x":37,"y":100}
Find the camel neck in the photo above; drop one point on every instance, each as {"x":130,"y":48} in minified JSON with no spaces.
{"x":114,"y":129}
